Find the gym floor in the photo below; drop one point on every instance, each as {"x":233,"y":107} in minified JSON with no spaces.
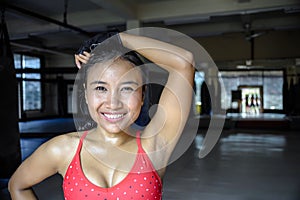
{"x":244,"y":165}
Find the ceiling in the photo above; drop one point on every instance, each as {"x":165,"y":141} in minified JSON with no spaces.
{"x":60,"y":26}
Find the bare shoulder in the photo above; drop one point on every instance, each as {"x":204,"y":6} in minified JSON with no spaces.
{"x":60,"y":148}
{"x":64,"y":143}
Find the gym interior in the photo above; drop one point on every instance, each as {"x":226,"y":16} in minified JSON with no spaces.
{"x":247,"y":108}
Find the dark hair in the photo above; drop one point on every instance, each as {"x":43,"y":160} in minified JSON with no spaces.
{"x":106,"y":51}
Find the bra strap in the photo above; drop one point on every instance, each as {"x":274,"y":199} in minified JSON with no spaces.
{"x":81,"y":142}
{"x":139,"y":143}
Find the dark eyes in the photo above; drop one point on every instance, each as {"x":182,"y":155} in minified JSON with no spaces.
{"x":101,"y":88}
{"x":123,"y":89}
{"x":127,"y":89}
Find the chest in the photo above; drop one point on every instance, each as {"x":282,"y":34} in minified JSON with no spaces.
{"x":107,"y":181}
{"x":105,"y":171}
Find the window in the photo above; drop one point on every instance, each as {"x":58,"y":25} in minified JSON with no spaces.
{"x":270,"y":81}
{"x":29,"y":82}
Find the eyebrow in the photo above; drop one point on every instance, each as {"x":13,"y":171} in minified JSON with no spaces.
{"x":129,"y":82}
{"x":98,"y":82}
{"x":123,"y":83}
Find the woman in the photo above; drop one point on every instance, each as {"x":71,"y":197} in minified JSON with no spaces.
{"x":113,"y":161}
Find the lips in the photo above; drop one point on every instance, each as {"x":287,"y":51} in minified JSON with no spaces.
{"x":113,"y":117}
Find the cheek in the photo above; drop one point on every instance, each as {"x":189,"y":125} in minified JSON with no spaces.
{"x":94,"y":99}
{"x":134,"y":101}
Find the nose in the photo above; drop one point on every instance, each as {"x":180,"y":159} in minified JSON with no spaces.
{"x":113,"y":101}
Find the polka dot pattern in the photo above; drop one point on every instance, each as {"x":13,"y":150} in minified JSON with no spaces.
{"x":142,"y":182}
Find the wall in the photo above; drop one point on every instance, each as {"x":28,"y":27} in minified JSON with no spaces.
{"x":227,"y":49}
{"x":269,"y":45}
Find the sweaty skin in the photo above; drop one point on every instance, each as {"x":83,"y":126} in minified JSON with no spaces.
{"x":105,"y":97}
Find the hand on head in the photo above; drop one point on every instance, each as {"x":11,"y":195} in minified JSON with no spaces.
{"x":83,"y":54}
{"x":82,"y":58}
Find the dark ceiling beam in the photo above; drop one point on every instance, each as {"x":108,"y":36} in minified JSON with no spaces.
{"x":47,"y":19}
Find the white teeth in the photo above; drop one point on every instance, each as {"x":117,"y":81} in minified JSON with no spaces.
{"x":113,"y":116}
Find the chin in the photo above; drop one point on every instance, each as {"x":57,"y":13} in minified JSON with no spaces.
{"x":117,"y":128}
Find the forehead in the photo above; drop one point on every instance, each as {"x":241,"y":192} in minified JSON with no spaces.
{"x":115,"y":71}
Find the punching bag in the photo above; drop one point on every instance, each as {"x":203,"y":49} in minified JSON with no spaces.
{"x":292,"y":94}
{"x":10,"y":155}
{"x":205,"y":100}
{"x":285,"y":95}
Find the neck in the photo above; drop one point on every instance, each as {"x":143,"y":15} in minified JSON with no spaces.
{"x":116,"y":139}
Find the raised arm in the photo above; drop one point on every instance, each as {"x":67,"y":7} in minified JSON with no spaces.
{"x":176,"y":98}
{"x":44,"y":162}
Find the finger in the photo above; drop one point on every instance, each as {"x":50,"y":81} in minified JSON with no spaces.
{"x":87,"y":54}
{"x":83,"y":58}
{"x":77,"y":61}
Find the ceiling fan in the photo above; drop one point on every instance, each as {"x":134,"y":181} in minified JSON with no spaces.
{"x":250,"y":34}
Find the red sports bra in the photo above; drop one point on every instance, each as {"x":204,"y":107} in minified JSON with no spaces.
{"x":142,"y":182}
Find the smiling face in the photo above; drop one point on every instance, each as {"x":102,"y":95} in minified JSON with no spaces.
{"x":114,"y":94}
